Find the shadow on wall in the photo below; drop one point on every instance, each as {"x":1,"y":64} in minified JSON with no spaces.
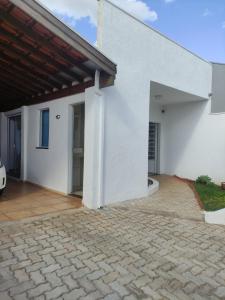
{"x":185,"y":138}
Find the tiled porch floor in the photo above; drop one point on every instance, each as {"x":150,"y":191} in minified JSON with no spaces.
{"x":24,"y":200}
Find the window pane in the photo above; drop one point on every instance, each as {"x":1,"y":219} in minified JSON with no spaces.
{"x":45,"y":128}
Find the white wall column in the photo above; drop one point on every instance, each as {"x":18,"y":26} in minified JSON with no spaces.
{"x":94,"y":148}
{"x":24,"y":141}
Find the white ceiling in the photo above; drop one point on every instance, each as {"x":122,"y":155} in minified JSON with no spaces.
{"x":164,"y":95}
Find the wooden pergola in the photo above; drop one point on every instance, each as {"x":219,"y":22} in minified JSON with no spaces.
{"x":41,"y":59}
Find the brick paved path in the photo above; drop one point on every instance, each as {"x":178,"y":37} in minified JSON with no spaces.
{"x":115,"y":253}
{"x":174,"y":198}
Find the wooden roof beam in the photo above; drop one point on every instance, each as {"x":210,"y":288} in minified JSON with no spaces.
{"x":8,"y":91}
{"x":41,"y":55}
{"x":43,"y":42}
{"x":76,"y":89}
{"x":16,"y":53}
{"x":23,"y":75}
{"x":20,"y":82}
{"x":40,"y":76}
{"x":13,"y":85}
{"x":23,"y":79}
{"x":43,"y":16}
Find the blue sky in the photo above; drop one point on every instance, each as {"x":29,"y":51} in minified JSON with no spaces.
{"x":195,"y":24}
{"x":198,"y":25}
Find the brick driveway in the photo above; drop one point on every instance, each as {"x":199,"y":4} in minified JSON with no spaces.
{"x":153,"y":248}
{"x":115,"y":253}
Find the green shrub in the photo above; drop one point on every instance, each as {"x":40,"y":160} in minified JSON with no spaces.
{"x":204,"y":179}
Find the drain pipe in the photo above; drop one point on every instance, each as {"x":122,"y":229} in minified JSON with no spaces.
{"x":101,"y":140}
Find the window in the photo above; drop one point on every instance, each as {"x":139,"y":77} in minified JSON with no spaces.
{"x":44,"y":128}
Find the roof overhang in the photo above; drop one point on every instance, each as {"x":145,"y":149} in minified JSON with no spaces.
{"x":42,"y":59}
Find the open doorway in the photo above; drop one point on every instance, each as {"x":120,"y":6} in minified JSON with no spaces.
{"x":14,"y":146}
{"x":78,"y":150}
{"x":154,"y":149}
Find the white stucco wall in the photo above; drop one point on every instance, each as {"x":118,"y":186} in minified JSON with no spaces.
{"x":45,"y":167}
{"x":117,"y":119}
{"x":218,"y":88}
{"x":194,"y":141}
{"x":52,"y":167}
{"x":142,"y":55}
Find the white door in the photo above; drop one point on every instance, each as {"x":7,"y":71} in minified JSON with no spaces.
{"x":153,"y":150}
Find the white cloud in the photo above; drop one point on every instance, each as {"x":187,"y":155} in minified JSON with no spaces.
{"x":207,"y":13}
{"x":73,"y":9}
{"x":79,"y":9}
{"x":138,"y":8}
{"x":169,"y":1}
{"x":223,"y":25}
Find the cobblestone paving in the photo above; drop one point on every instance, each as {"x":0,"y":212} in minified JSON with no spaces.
{"x":115,"y":253}
{"x":174,"y":198}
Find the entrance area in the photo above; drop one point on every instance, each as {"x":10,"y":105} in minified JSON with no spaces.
{"x":173,"y":131}
{"x":14,"y":146}
{"x":24,"y":200}
{"x":78,"y":150}
{"x":154,"y":149}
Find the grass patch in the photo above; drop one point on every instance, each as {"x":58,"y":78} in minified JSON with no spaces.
{"x":211,"y":195}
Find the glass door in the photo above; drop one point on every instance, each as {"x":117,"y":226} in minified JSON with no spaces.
{"x":78,"y":150}
{"x":14,"y":146}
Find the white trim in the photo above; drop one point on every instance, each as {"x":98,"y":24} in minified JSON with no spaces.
{"x":101,"y":152}
{"x":215,"y":217}
{"x":152,"y":189}
{"x":70,"y":148}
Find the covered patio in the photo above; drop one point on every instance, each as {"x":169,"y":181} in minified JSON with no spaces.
{"x":24,"y":200}
{"x":41,"y":59}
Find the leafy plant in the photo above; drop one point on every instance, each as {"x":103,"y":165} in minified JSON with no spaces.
{"x":204,"y":179}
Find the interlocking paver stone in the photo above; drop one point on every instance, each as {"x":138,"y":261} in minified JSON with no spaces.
{"x":121,"y":252}
{"x":39,"y":290}
{"x":74,"y":294}
{"x":56,"y":292}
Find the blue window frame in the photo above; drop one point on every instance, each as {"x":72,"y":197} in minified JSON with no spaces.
{"x":44,"y":132}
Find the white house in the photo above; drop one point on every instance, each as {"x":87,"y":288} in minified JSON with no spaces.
{"x":97,"y":122}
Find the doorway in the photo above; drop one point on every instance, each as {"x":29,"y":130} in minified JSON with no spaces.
{"x":14,"y":146}
{"x":78,"y":150}
{"x":154,"y":149}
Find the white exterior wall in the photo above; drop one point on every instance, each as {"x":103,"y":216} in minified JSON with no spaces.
{"x":142,"y":55}
{"x":218,"y":88}
{"x":194,"y":141}
{"x":45,"y":167}
{"x":52,"y":168}
{"x":117,"y":118}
